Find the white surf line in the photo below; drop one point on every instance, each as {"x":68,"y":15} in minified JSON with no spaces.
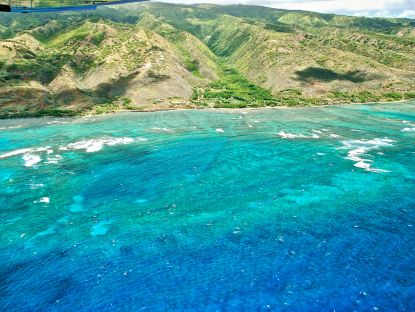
{"x":359,"y":148}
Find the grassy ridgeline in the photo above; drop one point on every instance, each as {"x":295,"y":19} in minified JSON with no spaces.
{"x":162,"y":56}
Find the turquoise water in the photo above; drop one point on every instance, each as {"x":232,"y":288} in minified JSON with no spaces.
{"x":277,"y":209}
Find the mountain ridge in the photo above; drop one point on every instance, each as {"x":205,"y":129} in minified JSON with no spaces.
{"x":161,"y":56}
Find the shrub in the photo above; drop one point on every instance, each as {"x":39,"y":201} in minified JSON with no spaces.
{"x":233,"y":90}
{"x":409,"y":95}
{"x":395,"y":96}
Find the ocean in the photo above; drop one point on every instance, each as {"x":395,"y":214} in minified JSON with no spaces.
{"x":305,"y":209}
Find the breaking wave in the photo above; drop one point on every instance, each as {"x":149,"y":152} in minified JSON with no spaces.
{"x":30,"y":160}
{"x":359,"y":149}
{"x":31,"y":156}
{"x":95,"y":145}
{"x":315,"y":134}
{"x":287,"y":135}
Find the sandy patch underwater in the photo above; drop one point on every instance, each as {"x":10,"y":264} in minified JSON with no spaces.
{"x":274,"y":209}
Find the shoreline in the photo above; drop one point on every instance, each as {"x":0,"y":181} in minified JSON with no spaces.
{"x":155,"y":110}
{"x":165,"y":109}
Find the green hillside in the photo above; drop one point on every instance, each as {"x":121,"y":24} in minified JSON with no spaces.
{"x":160,"y":56}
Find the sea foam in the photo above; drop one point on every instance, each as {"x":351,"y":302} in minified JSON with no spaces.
{"x":53,"y":159}
{"x":32,"y":157}
{"x":24,"y":151}
{"x":30,"y":160}
{"x":95,"y":145}
{"x":43,"y":200}
{"x":287,"y":135}
{"x":315,"y":134}
{"x":358,"y":149}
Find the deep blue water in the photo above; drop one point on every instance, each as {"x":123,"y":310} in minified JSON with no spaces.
{"x":283,"y":210}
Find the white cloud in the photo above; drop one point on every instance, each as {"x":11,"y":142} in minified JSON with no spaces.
{"x":383,"y":8}
{"x":407,"y":14}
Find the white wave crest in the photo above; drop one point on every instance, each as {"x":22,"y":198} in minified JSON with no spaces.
{"x":24,"y":151}
{"x":44,"y":200}
{"x":31,"y":159}
{"x":408,"y":129}
{"x":53,"y":159}
{"x":315,"y":134}
{"x":358,"y":149}
{"x":32,"y":156}
{"x":95,"y":145}
{"x":287,"y":135}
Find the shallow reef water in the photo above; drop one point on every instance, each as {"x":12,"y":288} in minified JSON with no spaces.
{"x":308,"y":209}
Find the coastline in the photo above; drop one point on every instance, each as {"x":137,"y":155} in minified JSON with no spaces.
{"x":155,"y":110}
{"x":168,"y":109}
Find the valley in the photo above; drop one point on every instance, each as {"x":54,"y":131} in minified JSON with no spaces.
{"x":155,"y":56}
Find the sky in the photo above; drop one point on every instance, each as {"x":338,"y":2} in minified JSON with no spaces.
{"x":380,"y":8}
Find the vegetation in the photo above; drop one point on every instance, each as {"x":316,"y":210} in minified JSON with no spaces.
{"x":158,"y":56}
{"x":111,"y":105}
{"x":232,"y":90}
